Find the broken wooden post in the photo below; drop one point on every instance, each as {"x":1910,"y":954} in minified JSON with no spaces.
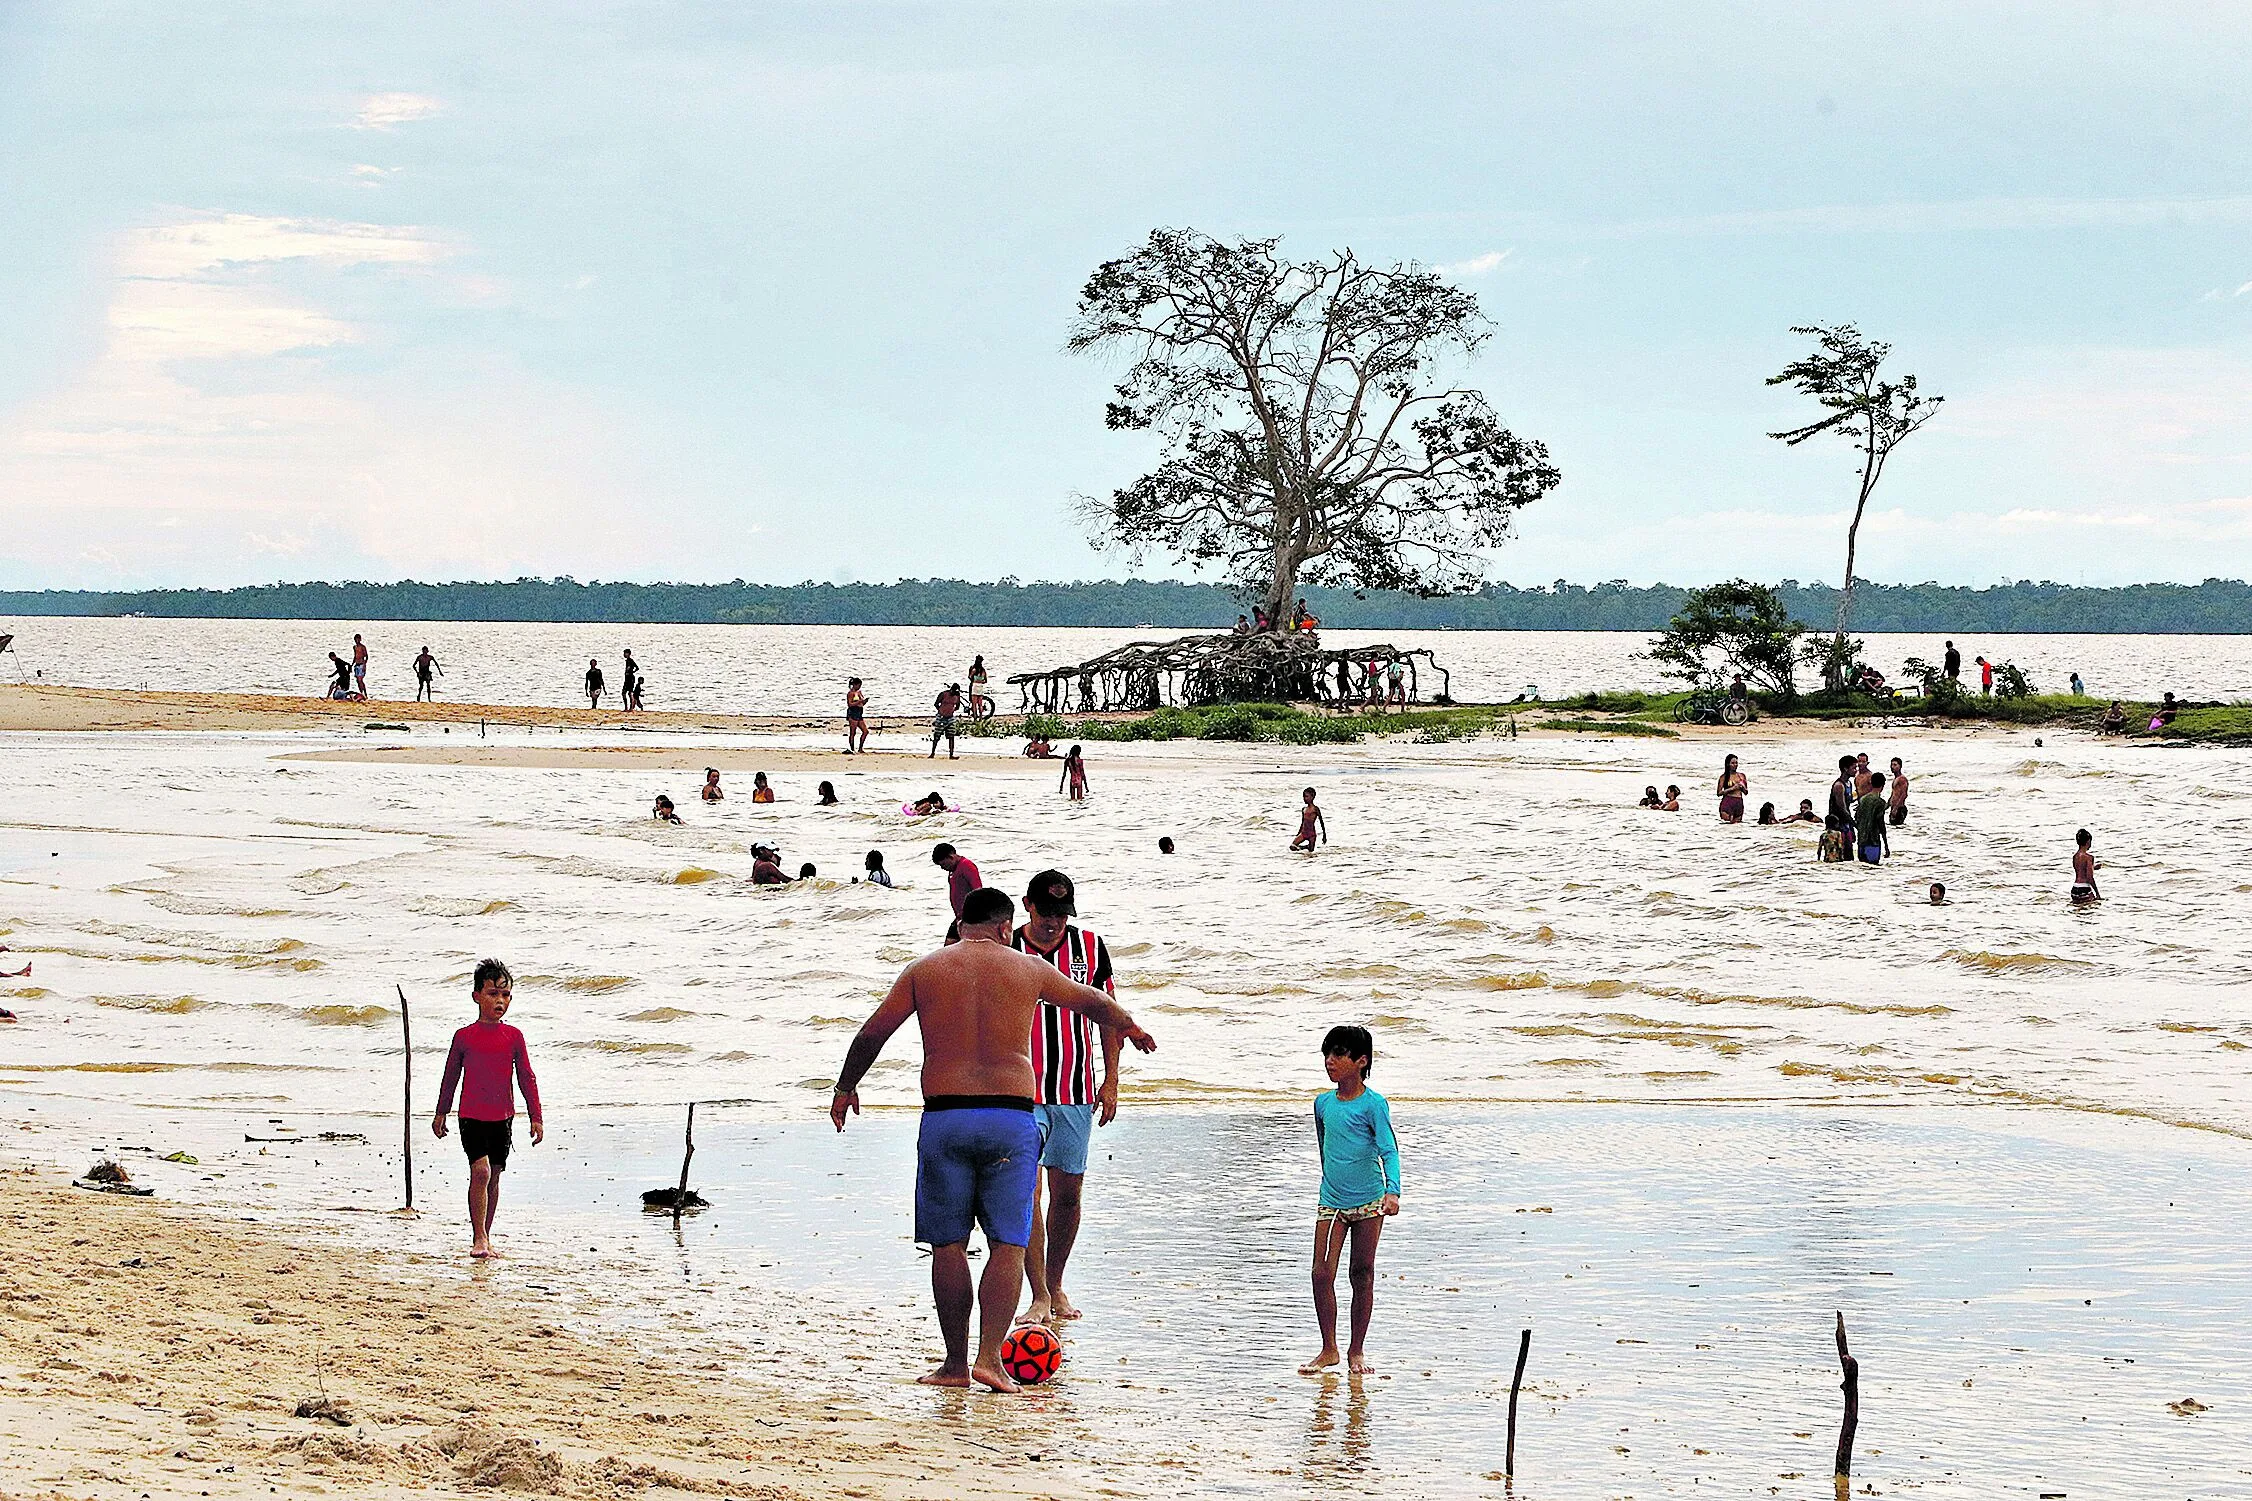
{"x":680,"y":1196}
{"x":1524,"y":1348}
{"x":1852,"y":1386}
{"x":406,"y":1037}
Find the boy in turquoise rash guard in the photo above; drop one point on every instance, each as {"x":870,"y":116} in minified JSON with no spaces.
{"x":1360,"y":1187}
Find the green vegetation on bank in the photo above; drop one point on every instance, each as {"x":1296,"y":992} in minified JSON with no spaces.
{"x":1651,"y":715}
{"x":2215,"y":607}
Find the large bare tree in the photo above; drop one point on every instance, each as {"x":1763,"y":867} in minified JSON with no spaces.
{"x":1307,"y":435}
{"x":1872,"y":413}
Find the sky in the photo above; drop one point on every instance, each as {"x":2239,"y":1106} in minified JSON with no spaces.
{"x":780,"y":292}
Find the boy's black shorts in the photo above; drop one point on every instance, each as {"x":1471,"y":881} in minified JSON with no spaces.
{"x":488,"y":1139}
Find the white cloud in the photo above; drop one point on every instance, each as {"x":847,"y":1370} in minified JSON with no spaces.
{"x":1477,"y":265}
{"x":388,"y":111}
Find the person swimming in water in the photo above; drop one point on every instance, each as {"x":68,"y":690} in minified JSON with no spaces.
{"x":874,"y":865}
{"x":825,"y":795}
{"x":1730,"y":789}
{"x":1805,"y":813}
{"x":1939,"y":893}
{"x":1650,"y":798}
{"x":1672,"y":804}
{"x":760,"y":792}
{"x":663,"y":810}
{"x":927,"y":804}
{"x":712,"y":794}
{"x":1309,"y":821}
{"x":2084,"y":870}
{"x":1767,"y":814}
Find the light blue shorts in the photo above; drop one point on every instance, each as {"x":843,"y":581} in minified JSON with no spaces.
{"x":1069,"y":1129}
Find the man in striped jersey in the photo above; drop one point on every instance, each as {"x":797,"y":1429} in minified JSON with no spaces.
{"x":1065,"y":1045}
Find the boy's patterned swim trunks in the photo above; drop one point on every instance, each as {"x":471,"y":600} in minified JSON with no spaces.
{"x":1325,"y":1214}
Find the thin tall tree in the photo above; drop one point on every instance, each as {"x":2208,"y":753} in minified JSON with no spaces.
{"x":1844,"y":374}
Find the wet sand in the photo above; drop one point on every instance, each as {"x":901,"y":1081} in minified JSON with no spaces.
{"x":145,"y":1350}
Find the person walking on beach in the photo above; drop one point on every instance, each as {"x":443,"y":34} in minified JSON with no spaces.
{"x":359,"y":664}
{"x":425,"y":668}
{"x":1730,"y":789}
{"x":593,"y":684}
{"x":1360,"y":1189}
{"x":1869,"y":838}
{"x":1309,"y":820}
{"x":977,"y":1153}
{"x":961,"y":879}
{"x":1897,"y":788}
{"x":946,"y":706}
{"x":981,"y":703}
{"x":1071,"y":1103}
{"x":856,"y":718}
{"x":629,"y":687}
{"x":1952,"y":665}
{"x":488,"y":1061}
{"x":2084,"y":869}
{"x":1074,"y":780}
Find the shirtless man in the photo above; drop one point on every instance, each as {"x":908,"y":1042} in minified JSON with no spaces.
{"x":978,"y":1153}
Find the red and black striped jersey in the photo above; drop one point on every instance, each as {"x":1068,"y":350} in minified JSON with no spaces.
{"x":1065,"y":1045}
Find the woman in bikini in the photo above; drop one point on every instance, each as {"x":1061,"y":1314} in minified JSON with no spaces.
{"x":1074,"y":776}
{"x":1731,"y":788}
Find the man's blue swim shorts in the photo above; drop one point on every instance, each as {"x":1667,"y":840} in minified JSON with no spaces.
{"x":1065,"y":1130}
{"x":976,"y":1160}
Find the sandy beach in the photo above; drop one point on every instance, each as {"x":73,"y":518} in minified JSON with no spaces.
{"x":150,"y":1350}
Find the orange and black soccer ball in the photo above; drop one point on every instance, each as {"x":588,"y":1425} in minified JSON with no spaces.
{"x":1031,"y":1353}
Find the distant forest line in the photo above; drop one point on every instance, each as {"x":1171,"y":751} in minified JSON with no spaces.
{"x":2215,"y":607}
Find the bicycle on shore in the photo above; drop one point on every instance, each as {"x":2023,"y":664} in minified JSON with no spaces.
{"x":1711,"y":704}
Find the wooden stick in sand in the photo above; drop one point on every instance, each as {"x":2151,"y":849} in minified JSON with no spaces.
{"x":1852,"y":1386}
{"x":1524,"y":1348}
{"x":406,"y":1035}
{"x":680,"y":1196}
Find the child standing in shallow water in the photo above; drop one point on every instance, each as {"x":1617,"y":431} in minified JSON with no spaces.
{"x":1360,"y":1188}
{"x":1074,"y":780}
{"x":1309,"y":820}
{"x":488,"y":1059}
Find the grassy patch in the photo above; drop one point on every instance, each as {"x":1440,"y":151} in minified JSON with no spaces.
{"x":1612,"y":727}
{"x":2230,"y":724}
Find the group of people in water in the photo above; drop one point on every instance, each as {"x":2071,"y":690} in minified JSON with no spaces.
{"x":1864,"y":807}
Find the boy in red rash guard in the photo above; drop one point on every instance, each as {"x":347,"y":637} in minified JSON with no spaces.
{"x":487,"y":1060}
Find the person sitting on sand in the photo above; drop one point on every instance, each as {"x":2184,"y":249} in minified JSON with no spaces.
{"x":1039,"y":749}
{"x":766,"y":866}
{"x":978,"y":1152}
{"x":664,"y":811}
{"x":1309,"y":820}
{"x":1805,"y":813}
{"x":874,"y":864}
{"x":712,"y":794}
{"x":1243,"y":625}
{"x":1360,"y":1189}
{"x":1939,"y":893}
{"x":927,"y":804}
{"x":1650,"y":798}
{"x":2114,"y":721}
{"x":1767,"y":814}
{"x":489,"y":1061}
{"x":2084,"y":870}
{"x":760,"y":792}
{"x":1672,"y":804}
{"x":825,"y":795}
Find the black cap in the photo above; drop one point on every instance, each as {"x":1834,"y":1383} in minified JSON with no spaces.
{"x":1051,"y":894}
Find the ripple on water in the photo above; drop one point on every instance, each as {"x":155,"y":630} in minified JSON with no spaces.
{"x":2002,"y":964}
